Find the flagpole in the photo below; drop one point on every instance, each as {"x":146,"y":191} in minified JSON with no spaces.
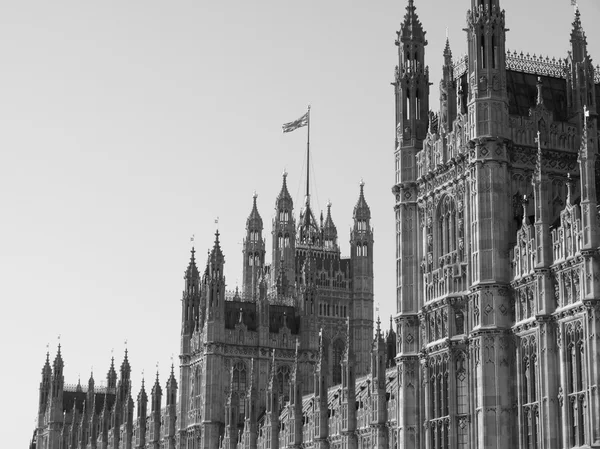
{"x":308,"y":157}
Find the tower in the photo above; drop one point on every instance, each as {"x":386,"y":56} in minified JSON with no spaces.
{"x":411,"y":88}
{"x":493,"y":385}
{"x":284,"y":236}
{"x":361,"y":249}
{"x":254,"y":251}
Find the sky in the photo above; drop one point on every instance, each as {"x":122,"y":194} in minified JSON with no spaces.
{"x":128,"y":127}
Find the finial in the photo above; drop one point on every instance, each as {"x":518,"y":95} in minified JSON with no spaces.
{"x":254,"y":196}
{"x":540,"y":96}
{"x":361,"y":184}
{"x":217,"y":226}
{"x":570,"y":185}
{"x":285,"y":173}
{"x":524,"y":203}
{"x":328,"y":204}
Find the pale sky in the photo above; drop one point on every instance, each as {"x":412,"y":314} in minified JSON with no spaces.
{"x":126,"y":127}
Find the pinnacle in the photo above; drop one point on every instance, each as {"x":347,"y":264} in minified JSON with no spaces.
{"x":254,"y":220}
{"x":411,"y":28}
{"x":362,"y":210}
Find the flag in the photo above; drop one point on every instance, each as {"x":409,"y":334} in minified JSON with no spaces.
{"x":291,"y":126}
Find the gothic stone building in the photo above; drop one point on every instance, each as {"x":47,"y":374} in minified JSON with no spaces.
{"x":498,"y":288}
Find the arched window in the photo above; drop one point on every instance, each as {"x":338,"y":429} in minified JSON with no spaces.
{"x":483,"y":52}
{"x":407,"y":108}
{"x":283,"y":384}
{"x":338,"y":351}
{"x":239,"y":387}
{"x":446,"y":234}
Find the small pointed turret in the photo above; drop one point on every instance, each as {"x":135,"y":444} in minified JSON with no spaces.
{"x":111,"y":376}
{"x":284,"y":234}
{"x":411,"y":83}
{"x":447,"y":92}
{"x":253,"y":251}
{"x":329,"y":230}
{"x":362,"y":211}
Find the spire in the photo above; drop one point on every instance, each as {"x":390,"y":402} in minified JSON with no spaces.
{"x":142,"y":397}
{"x":362,"y":210}
{"x":46,"y":370}
{"x":111,"y":376}
{"x":254,"y":220}
{"x":172,"y":382}
{"x":216,"y":258}
{"x":156,"y":395}
{"x":125,"y":367}
{"x":411,"y":28}
{"x":191,"y":274}
{"x":284,"y":197}
{"x":58,"y":363}
{"x":329,"y":229}
{"x":577,"y":33}
{"x":378,"y":334}
{"x":447,"y":53}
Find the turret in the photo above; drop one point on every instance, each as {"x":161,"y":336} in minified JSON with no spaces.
{"x":448,"y":101}
{"x":128,"y":422}
{"x":111,"y":376}
{"x":142,"y":413}
{"x":171,"y":412}
{"x":361,"y":237}
{"x":329,"y":231}
{"x":379,"y":401}
{"x":488,"y":100}
{"x":580,"y":77}
{"x":361,"y":248}
{"x":284,"y":234}
{"x":254,"y":251}
{"x":215,"y":286}
{"x":155,"y":415}
{"x":390,"y":344}
{"x":190,"y":307}
{"x":125,"y":380}
{"x":45,"y":386}
{"x":411,"y":84}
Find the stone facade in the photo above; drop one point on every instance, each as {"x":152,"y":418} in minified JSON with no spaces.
{"x":497,"y":332}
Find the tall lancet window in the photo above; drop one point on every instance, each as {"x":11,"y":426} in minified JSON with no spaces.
{"x":446,"y":226}
{"x":529,"y":391}
{"x":439,"y":424}
{"x":338,"y":352}
{"x":576,"y":380}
